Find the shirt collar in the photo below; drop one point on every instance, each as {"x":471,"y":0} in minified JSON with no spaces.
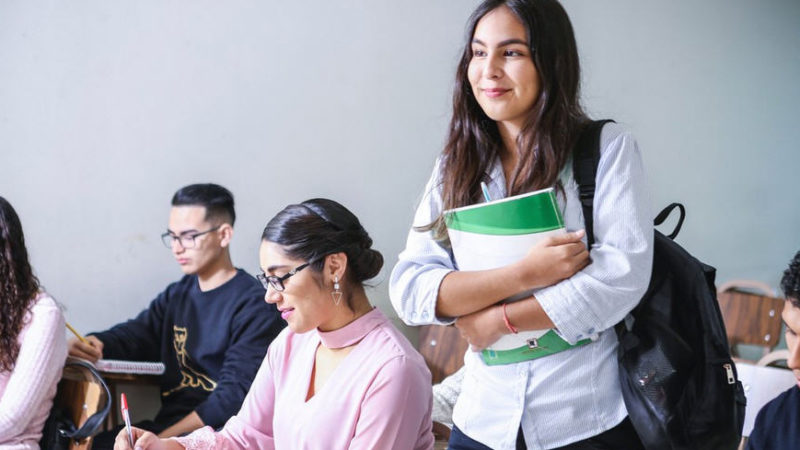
{"x":353,"y":332}
{"x":496,"y":179}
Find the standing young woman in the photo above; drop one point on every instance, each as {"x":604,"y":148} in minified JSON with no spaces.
{"x":516,"y":117}
{"x":33,"y":344}
{"x":340,"y":375}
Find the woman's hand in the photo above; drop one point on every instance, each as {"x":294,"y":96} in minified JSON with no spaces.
{"x":553,"y":259}
{"x":482,"y":328}
{"x":143,"y":440}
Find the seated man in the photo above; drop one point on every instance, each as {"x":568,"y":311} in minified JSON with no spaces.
{"x":778,"y":423}
{"x":211,"y":329}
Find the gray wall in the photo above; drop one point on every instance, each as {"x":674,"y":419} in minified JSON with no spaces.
{"x":106,"y":108}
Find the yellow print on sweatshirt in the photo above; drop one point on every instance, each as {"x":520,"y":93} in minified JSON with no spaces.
{"x":190,"y":377}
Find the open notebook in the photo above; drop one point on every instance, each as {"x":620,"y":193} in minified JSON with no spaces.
{"x":134,"y":367}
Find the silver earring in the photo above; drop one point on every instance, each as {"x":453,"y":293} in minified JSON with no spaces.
{"x":337,"y":293}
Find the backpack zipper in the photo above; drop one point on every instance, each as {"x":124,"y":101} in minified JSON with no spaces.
{"x":729,"y":371}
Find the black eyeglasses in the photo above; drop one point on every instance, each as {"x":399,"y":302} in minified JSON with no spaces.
{"x":277,"y":282}
{"x":185,"y":239}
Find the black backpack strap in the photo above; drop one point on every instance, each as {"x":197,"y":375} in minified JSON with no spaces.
{"x":585,"y":159}
{"x":662,"y":216}
{"x":94,"y":422}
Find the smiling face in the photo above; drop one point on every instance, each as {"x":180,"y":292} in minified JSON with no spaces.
{"x":791,"y":318}
{"x":305,"y":303}
{"x":501,"y":72}
{"x":209,"y":248}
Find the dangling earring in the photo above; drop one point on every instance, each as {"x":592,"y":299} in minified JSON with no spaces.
{"x":337,"y":293}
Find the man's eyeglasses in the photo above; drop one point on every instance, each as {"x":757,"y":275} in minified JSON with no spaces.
{"x":187,"y":240}
{"x":277,"y":282}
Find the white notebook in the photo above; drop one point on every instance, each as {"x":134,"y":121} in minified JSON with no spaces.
{"x":135,"y":367}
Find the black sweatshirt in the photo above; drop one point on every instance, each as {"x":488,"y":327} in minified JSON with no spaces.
{"x":777,"y":425}
{"x":212,"y":344}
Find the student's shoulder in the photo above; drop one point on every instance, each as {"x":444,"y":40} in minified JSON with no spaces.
{"x":775,"y":418}
{"x":244,"y":280}
{"x":45,"y":302}
{"x":177,"y":290}
{"x":247,"y":286}
{"x":245,"y":295}
{"x":394,"y":348}
{"x":184,"y":283}
{"x":615,"y":136}
{"x":784,"y":405}
{"x":46,"y":306}
{"x":288,"y":344}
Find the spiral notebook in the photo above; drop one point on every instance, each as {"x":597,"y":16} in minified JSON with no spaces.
{"x":134,"y":367}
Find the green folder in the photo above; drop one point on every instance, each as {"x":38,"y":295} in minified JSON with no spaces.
{"x":497,"y":233}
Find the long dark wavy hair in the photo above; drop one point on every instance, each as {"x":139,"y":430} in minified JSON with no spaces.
{"x":550,"y":129}
{"x":18,"y":285}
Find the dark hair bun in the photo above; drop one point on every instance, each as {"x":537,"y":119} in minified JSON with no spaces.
{"x":367,"y":264}
{"x":320,"y":226}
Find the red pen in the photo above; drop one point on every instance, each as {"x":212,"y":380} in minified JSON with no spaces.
{"x":126,"y":418}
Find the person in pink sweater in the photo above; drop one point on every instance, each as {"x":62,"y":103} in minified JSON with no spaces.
{"x":340,"y":376}
{"x":33,"y":345}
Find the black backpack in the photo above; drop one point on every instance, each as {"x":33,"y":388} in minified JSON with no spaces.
{"x":678,"y":380}
{"x":59,"y":429}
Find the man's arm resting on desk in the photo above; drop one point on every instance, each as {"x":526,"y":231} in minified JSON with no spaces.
{"x":186,"y":425}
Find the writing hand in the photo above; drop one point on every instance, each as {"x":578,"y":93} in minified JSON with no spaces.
{"x":91,"y":350}
{"x":142,"y":440}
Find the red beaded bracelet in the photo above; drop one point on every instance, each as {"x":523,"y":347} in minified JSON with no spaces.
{"x":505,"y":319}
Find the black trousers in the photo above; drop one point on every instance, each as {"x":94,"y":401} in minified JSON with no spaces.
{"x":621,"y":437}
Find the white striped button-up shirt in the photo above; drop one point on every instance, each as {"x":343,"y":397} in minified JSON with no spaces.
{"x":575,"y":394}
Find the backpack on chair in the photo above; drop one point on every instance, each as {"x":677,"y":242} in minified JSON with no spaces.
{"x":67,"y":426}
{"x":678,"y":380}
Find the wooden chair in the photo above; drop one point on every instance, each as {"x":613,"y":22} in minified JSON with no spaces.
{"x":82,"y":397}
{"x":772,"y":358}
{"x":752,"y":315}
{"x":443,"y":349}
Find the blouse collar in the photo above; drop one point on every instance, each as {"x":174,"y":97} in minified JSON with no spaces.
{"x":496,"y":179}
{"x":353,"y":332}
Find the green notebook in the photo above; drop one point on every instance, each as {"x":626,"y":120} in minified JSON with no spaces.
{"x":497,"y":233}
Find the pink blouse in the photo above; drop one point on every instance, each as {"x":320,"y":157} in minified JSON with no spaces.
{"x":27,"y":391}
{"x":379,"y":397}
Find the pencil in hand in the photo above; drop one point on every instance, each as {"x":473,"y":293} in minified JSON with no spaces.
{"x":75,"y":332}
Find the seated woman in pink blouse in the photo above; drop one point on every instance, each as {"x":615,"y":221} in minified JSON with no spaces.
{"x":340,"y":376}
{"x":33,"y":346}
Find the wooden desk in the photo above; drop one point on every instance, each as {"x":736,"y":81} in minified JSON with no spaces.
{"x":443,"y":349}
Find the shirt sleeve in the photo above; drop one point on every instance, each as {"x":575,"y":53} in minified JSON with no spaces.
{"x":395,"y":412}
{"x":599,"y":296}
{"x":36,"y":371}
{"x":138,"y":339}
{"x":250,"y":428}
{"x":421,"y":267}
{"x":252,"y":332}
